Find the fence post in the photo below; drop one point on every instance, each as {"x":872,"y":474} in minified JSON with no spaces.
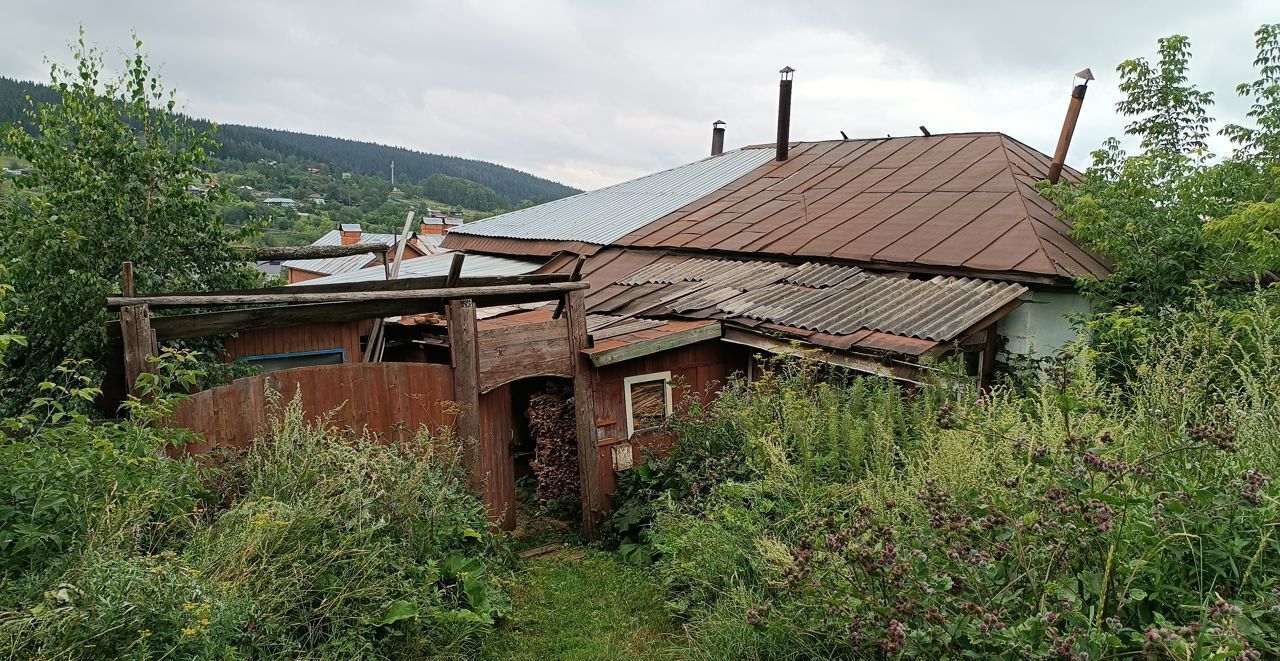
{"x":595,"y":502}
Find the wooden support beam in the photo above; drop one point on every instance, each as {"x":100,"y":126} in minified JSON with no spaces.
{"x":139,"y":344}
{"x":595,"y":502}
{"x":988,"y":367}
{"x":573,"y":277}
{"x":455,"y":270}
{"x":648,"y":347}
{"x":314,"y":252}
{"x":254,"y":298}
{"x":126,"y":279}
{"x":466,"y":385}
{"x":403,"y":284}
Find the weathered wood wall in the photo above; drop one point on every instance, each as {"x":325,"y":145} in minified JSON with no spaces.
{"x":510,"y":353}
{"x":697,"y":371}
{"x":391,"y":399}
{"x":297,"y":339}
{"x":497,"y":428}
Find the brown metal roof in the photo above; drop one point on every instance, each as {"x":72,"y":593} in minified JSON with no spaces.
{"x":957,"y":203}
{"x":807,"y":299}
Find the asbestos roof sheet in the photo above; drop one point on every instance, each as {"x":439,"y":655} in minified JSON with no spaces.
{"x":805,"y":299}
{"x":606,"y":215}
{"x":950,"y":203}
{"x":432,"y":265}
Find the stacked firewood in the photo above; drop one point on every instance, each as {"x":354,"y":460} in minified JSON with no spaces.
{"x":555,"y":464}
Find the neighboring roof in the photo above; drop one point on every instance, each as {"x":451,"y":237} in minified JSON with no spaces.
{"x":278,"y":200}
{"x":331,"y":265}
{"x":431,"y":265}
{"x":606,"y":215}
{"x":834,"y":305}
{"x":943,"y":203}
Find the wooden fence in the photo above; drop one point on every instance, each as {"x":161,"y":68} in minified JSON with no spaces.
{"x":391,"y":399}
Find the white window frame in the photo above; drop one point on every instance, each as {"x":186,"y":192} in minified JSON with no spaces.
{"x":665,"y":378}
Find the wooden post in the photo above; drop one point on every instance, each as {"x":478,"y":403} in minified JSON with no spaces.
{"x":139,"y":344}
{"x":595,"y":502}
{"x":574,"y":277}
{"x":455,"y":270}
{"x":127,"y":286}
{"x":466,"y":384}
{"x":987,"y":370}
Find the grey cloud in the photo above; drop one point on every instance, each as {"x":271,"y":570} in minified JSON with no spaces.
{"x":594,"y":92}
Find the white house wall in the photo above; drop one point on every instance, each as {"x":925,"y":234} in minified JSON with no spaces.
{"x":1042,"y":324}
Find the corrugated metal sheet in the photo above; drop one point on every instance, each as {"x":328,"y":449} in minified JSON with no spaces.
{"x":604,"y":326}
{"x":431,"y":265}
{"x":825,"y":298}
{"x":956,"y":201}
{"x":605,"y":215}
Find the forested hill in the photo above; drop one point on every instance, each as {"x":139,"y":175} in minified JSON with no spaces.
{"x":250,"y":143}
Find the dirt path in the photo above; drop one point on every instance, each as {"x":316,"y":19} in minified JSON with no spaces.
{"x":577,"y":604}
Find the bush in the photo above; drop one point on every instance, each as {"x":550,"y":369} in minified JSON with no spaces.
{"x":1078,"y":521}
{"x":322,"y":545}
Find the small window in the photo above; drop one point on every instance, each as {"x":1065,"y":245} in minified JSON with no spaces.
{"x":648,"y":401}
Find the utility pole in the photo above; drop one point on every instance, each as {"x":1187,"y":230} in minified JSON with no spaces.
{"x":393,"y":174}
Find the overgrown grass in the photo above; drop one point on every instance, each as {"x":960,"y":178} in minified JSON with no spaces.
{"x":585,"y":608}
{"x":316,"y":545}
{"x":1081,"y":520}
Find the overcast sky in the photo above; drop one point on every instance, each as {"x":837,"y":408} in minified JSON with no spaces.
{"x":592,"y":92}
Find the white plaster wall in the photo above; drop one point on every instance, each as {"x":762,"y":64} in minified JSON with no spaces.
{"x":1042,"y":324}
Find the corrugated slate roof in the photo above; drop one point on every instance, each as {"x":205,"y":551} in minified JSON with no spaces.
{"x":606,"y":215}
{"x":432,"y":265}
{"x":954,"y":202}
{"x":820,"y":298}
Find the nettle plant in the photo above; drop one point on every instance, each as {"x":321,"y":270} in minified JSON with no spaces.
{"x":1161,"y":543}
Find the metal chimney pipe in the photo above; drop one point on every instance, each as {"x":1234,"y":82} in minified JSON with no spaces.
{"x":717,"y":137}
{"x":1069,"y":126}
{"x":784,"y":113}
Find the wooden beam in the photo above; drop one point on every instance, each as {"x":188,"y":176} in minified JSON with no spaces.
{"x":403,"y":284}
{"x":648,"y":347}
{"x":595,"y":502}
{"x":455,"y":270}
{"x":573,"y":277}
{"x":313,"y":252}
{"x":139,"y":344}
{"x":987,"y":370}
{"x":867,"y":365}
{"x":211,"y":300}
{"x":126,"y":279}
{"x":466,"y":385}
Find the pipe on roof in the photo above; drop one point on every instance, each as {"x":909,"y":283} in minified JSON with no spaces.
{"x":784,"y":113}
{"x":1068,"y":129}
{"x":717,"y":137}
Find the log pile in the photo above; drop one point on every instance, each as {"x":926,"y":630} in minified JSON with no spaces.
{"x":555,"y":464}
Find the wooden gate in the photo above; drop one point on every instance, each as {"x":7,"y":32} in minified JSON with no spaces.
{"x":390,"y":399}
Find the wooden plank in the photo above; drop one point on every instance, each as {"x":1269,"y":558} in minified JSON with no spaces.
{"x":466,"y":384}
{"x":402,"y":284}
{"x":249,"y":297}
{"x":595,"y":502}
{"x":135,"y":331}
{"x":656,"y":345}
{"x":988,"y":366}
{"x":313,"y":252}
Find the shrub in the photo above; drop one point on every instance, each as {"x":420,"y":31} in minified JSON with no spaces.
{"x":325,"y":545}
{"x":1077,"y":521}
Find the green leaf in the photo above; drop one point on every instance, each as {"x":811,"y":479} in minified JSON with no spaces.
{"x":397,"y":611}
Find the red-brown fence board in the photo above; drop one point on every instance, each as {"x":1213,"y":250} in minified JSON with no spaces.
{"x":393,"y":400}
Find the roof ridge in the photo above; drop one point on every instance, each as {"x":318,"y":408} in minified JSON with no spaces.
{"x":1022,"y":199}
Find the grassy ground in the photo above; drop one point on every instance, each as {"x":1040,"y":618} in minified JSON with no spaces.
{"x":584,"y":605}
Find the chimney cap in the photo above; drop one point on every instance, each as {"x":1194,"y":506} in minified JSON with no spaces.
{"x":349,"y":227}
{"x":786,"y":72}
{"x":1086,"y":74}
{"x":718,"y":123}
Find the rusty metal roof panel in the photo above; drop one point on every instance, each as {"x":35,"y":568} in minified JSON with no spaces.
{"x":953,"y":201}
{"x":608,"y":214}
